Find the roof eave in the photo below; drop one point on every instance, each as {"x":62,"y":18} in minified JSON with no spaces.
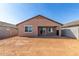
{"x":42,"y":16}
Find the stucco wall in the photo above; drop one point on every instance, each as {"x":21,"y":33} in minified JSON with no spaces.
{"x":35,"y":22}
{"x":7,"y":32}
{"x":71,"y":32}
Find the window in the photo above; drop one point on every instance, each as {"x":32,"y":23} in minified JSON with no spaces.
{"x":28,"y":28}
{"x":50,"y":29}
{"x":43,"y":29}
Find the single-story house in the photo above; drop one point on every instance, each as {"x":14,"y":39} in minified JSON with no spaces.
{"x":71,"y":29}
{"x":39,"y":26}
{"x":7,"y":30}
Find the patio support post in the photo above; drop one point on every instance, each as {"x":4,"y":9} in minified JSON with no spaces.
{"x":60,"y":32}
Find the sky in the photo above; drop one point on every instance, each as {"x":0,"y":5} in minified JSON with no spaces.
{"x":17,"y":12}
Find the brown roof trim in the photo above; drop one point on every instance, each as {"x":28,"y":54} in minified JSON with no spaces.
{"x":70,"y":26}
{"x":41,"y":16}
{"x":8,"y":27}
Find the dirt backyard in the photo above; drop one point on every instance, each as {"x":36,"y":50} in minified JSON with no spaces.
{"x":24,"y":46}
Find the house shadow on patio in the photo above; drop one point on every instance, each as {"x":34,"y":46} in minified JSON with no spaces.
{"x":53,"y":37}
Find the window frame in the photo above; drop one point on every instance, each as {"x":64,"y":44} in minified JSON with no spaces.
{"x":50,"y":31}
{"x":28,"y":26}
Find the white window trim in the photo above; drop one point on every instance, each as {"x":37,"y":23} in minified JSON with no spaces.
{"x":50,"y":32}
{"x":27,"y":26}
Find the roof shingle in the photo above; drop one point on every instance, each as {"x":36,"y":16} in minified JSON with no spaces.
{"x":71,"y":24}
{"x":7,"y":24}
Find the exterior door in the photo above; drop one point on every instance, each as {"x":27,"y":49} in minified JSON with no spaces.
{"x":57,"y":32}
{"x":42,"y":31}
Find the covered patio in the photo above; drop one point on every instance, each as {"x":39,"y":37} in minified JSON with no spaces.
{"x":49,"y":31}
